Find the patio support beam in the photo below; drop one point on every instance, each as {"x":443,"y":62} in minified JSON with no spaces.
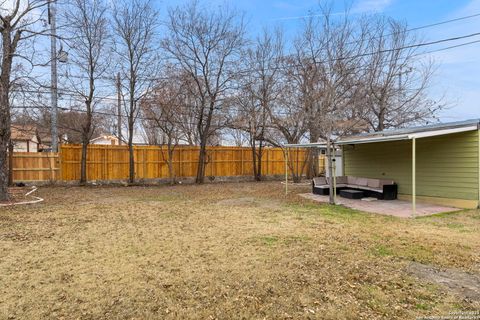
{"x":414,"y":177}
{"x":334,"y":165}
{"x":286,"y":171}
{"x":478,"y":165}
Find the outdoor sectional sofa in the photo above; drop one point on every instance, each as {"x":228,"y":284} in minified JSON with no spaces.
{"x":378,"y":188}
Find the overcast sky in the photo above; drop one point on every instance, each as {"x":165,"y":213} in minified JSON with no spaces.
{"x":458,"y":70}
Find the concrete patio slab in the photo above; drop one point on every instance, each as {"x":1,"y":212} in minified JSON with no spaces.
{"x":396,"y":208}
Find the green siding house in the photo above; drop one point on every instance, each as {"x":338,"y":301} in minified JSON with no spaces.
{"x":438,"y":163}
{"x":447,"y":168}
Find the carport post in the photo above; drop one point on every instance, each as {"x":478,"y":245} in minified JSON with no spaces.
{"x":478,"y":165}
{"x":414,"y":178}
{"x":286,"y":170}
{"x":334,"y":178}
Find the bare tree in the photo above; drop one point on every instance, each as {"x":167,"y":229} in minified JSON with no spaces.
{"x":162,"y":110}
{"x":288,"y":121}
{"x":396,"y":79}
{"x":259,"y":89}
{"x":205,"y":43}
{"x":18,"y":22}
{"x":87,"y":38}
{"x":135,"y":27}
{"x":327,"y":56}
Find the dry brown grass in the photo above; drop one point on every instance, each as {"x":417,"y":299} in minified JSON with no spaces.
{"x":222,"y":251}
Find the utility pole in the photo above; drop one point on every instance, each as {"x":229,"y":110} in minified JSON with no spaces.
{"x":53,"y":57}
{"x":119,"y":110}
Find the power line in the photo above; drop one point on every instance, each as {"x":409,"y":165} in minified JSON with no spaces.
{"x":444,"y":22}
{"x":111,"y":114}
{"x":452,"y":47}
{"x":412,"y":46}
{"x":412,"y":29}
{"x":101,"y":113}
{"x":422,"y":27}
{"x":150,"y":99}
{"x":76,"y":94}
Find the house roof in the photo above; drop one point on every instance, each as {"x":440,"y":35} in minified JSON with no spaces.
{"x":104,"y":137}
{"x":402,"y":134}
{"x":23,"y":132}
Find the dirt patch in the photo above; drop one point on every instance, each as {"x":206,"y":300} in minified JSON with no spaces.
{"x":463,"y":284}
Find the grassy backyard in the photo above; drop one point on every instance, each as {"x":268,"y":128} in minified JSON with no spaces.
{"x":221,"y":251}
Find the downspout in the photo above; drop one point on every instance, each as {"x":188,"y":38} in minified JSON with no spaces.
{"x":414,"y":178}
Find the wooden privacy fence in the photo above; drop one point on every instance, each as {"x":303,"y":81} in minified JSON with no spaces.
{"x":36,"y":166}
{"x":105,"y":162}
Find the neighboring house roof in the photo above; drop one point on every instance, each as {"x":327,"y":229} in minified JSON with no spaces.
{"x":104,"y":137}
{"x":23,"y":133}
{"x":402,"y":134}
{"x":38,"y":134}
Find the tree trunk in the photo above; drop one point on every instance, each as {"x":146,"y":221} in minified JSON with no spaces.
{"x":83,"y":163}
{"x":85,"y":143}
{"x":10,"y":163}
{"x":258,"y":175}
{"x":381,"y":118}
{"x":7,"y":56}
{"x":292,"y":164}
{"x":312,"y":164}
{"x":201,"y":162}
{"x":204,"y":134}
{"x":3,"y":169}
{"x":254,"y":158}
{"x":171,"y":172}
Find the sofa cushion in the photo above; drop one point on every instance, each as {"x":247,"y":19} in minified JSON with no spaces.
{"x":362,"y":182}
{"x":373,"y":183}
{"x":341,"y":180}
{"x":386,"y":182}
{"x":379,"y":190}
{"x":351,"y":180}
{"x":319,"y":181}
